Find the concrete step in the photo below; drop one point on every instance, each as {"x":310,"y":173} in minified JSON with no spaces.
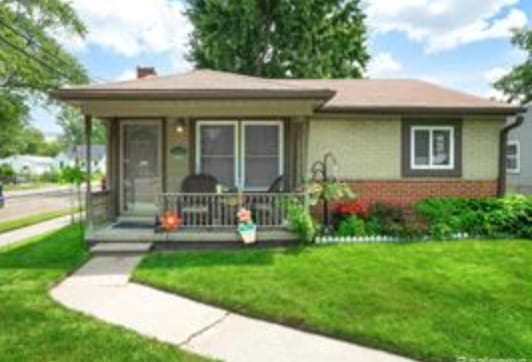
{"x":121,"y":248}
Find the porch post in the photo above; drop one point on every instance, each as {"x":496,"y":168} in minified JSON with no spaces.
{"x":88,"y":160}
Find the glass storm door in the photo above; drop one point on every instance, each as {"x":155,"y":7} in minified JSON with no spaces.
{"x":141,"y":167}
{"x":261,"y":154}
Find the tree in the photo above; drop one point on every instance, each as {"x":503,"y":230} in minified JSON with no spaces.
{"x":32,"y":62}
{"x":71,"y":121}
{"x":517,"y":85}
{"x":279,"y":38}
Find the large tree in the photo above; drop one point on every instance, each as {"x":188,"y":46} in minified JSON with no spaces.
{"x":32,"y":62}
{"x":280,"y":38}
{"x":517,"y":84}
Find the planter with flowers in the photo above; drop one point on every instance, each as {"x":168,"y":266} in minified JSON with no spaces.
{"x":246,"y":227}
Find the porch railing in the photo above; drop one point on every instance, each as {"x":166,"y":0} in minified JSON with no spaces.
{"x":219,"y":210}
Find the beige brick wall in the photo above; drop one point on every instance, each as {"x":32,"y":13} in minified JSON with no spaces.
{"x":370,"y":148}
{"x":365,"y":148}
{"x":480,"y":139}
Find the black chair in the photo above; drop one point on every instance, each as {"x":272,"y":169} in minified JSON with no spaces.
{"x":188,"y":207}
{"x":199,"y":183}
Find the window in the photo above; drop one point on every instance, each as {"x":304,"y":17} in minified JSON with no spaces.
{"x":513,"y":156}
{"x":217,"y":151}
{"x":261,"y":158}
{"x":432,"y":148}
{"x":244,"y":154}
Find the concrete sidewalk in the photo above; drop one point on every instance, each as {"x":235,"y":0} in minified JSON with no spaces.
{"x":101,"y":289}
{"x":14,"y":236}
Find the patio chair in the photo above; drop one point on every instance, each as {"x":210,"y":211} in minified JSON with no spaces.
{"x":189,"y":209}
{"x":267,"y":208}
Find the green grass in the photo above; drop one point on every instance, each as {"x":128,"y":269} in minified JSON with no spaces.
{"x":430,"y":301}
{"x":33,"y":327}
{"x":28,"y":186}
{"x":14,"y":224}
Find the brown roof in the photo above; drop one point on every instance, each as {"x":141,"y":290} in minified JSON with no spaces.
{"x":400,"y":94}
{"x":195,"y":84}
{"x":338,"y":95}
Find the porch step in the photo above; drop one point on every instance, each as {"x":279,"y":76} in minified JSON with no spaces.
{"x":120,"y":248}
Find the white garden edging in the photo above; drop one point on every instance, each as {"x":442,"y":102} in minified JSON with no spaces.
{"x":329,"y":239}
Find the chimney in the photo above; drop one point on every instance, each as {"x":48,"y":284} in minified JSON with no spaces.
{"x":143,"y":72}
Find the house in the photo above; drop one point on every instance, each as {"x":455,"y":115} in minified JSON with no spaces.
{"x":519,"y":156}
{"x":397,"y":140}
{"x":29,"y":164}
{"x":71,"y":155}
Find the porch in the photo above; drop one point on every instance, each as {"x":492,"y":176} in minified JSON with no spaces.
{"x":204,"y":171}
{"x":206,"y":220}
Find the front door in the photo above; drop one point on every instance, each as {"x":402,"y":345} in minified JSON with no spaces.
{"x":141,"y":167}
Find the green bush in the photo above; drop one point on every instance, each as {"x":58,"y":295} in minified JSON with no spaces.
{"x":300,"y":221}
{"x":351,"y":226}
{"x":384,"y":219}
{"x":511,"y":215}
{"x":6,"y":173}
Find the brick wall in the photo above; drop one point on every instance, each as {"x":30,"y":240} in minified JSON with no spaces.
{"x":406,"y":192}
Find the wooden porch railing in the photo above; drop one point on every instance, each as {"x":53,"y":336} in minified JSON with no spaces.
{"x":219,"y":210}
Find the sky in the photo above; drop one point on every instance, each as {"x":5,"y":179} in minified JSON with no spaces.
{"x":462,"y":44}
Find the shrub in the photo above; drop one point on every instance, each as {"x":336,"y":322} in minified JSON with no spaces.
{"x":7,"y":174}
{"x":300,"y":221}
{"x":386,"y":219}
{"x":511,"y":215}
{"x":351,"y":226}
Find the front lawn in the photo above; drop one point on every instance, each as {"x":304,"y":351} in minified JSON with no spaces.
{"x":431,"y":301}
{"x":35,"y":328}
{"x":29,"y":220}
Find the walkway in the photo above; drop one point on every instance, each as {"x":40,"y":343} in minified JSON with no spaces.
{"x":14,"y":236}
{"x":101,"y":289}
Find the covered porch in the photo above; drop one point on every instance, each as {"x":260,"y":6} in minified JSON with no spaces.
{"x":200,"y":154}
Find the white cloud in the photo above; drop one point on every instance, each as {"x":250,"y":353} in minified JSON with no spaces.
{"x":494,"y":74}
{"x":445,"y":24}
{"x":127,"y":74}
{"x":383,"y":64}
{"x":133,"y":27}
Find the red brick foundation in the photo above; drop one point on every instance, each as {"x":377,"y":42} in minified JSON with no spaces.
{"x":406,"y":192}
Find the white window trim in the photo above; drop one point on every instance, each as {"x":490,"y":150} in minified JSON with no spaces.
{"x":517,"y":156}
{"x":431,"y":130}
{"x":280,"y":168}
{"x":235,"y":146}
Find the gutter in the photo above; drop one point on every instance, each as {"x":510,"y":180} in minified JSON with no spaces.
{"x":503,"y":138}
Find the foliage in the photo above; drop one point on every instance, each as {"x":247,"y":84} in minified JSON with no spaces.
{"x":511,"y":215}
{"x":300,"y":221}
{"x":384,"y":219}
{"x":280,"y":39}
{"x":517,"y":84}
{"x":27,"y":272}
{"x":429,"y":301}
{"x":73,"y":175}
{"x":72,"y":123}
{"x":6,"y":173}
{"x":52,"y":175}
{"x":26,"y":140}
{"x":330,"y":191}
{"x":352,"y":225}
{"x":32,"y":61}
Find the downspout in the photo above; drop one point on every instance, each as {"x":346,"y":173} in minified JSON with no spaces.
{"x":501,"y":184}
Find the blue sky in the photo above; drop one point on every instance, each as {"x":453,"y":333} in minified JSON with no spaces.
{"x":463,"y":44}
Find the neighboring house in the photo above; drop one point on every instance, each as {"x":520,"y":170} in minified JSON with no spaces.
{"x":75,"y":154}
{"x":519,"y":156}
{"x":29,"y":164}
{"x":394,"y":140}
